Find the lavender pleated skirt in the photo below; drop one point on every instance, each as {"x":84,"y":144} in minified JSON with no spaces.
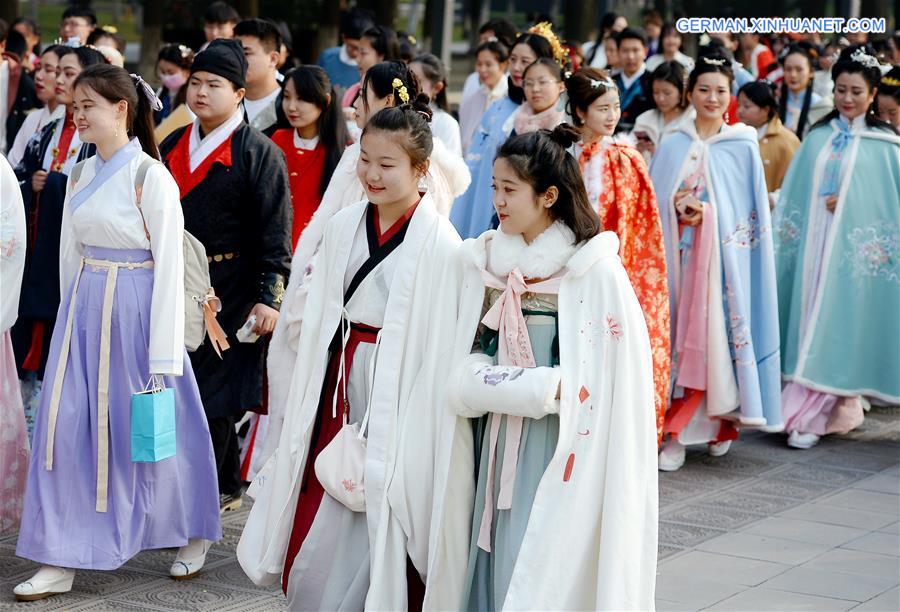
{"x":150,"y":505}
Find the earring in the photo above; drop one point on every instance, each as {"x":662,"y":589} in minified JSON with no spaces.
{"x":422,"y":186}
{"x":117,"y":129}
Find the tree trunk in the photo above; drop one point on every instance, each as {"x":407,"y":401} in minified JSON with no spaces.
{"x":877,"y":8}
{"x":9,"y":9}
{"x":385,"y":11}
{"x":247,"y":8}
{"x":477,"y":12}
{"x":151,"y":37}
{"x":579,"y":19}
{"x":812,"y":8}
{"x":329,"y":28}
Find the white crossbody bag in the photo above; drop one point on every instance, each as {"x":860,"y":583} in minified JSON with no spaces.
{"x":341,"y":465}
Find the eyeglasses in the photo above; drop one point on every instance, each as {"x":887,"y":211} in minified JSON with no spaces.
{"x":540,"y":83}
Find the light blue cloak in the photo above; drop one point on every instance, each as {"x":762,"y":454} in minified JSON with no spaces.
{"x":851,"y":343}
{"x":472,"y":211}
{"x":736,"y":184}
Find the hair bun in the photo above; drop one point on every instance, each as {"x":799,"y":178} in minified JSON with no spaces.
{"x":565,"y":135}
{"x":420,"y":104}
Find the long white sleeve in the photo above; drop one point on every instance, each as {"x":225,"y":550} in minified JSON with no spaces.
{"x":69,"y":247}
{"x":478,"y":387}
{"x":165,"y":223}
{"x":12,"y":245}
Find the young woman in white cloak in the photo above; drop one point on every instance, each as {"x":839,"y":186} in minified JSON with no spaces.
{"x":562,"y":384}
{"x":447,"y":177}
{"x":372,"y":350}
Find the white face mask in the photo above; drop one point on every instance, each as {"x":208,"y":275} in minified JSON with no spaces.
{"x":173,"y":82}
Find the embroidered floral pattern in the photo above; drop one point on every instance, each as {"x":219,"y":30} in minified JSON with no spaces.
{"x":746,"y":234}
{"x":627,"y":205}
{"x":787,"y":233}
{"x":613,"y":329}
{"x":875,"y":251}
{"x":349,"y":485}
{"x":13,"y":441}
{"x":494,"y":375}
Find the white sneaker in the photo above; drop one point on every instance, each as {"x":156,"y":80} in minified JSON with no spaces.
{"x":802,"y":440}
{"x":190,"y":559}
{"x":671,"y":458}
{"x":49,"y":580}
{"x":719,"y":449}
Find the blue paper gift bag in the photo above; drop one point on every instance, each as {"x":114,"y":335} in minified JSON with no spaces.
{"x":153,"y":425}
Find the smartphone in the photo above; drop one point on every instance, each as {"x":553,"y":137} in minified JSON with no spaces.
{"x":245,"y":333}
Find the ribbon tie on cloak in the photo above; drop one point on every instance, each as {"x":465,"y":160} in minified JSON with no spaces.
{"x":513,"y":348}
{"x":832,"y":177}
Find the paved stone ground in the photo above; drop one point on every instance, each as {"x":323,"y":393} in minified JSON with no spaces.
{"x":763,"y":528}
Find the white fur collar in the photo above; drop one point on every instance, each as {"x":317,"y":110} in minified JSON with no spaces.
{"x":545,"y":256}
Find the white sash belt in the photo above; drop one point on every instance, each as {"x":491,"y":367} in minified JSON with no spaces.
{"x":112,"y":271}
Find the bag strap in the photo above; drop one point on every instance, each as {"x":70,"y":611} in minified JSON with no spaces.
{"x":371,"y":381}
{"x":139,"y":188}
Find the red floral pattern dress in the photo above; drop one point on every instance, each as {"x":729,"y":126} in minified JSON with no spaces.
{"x":626,"y":203}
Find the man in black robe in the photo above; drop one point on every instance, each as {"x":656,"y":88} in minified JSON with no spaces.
{"x":236,"y":201}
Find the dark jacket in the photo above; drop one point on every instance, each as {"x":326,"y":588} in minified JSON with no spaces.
{"x":242,"y":214}
{"x":637,"y":99}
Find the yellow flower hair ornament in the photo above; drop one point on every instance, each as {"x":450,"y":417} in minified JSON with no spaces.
{"x":545,"y":29}
{"x":402,"y":92}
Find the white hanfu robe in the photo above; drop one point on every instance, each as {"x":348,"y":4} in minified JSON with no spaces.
{"x":591,"y":537}
{"x":412,"y":497}
{"x":447,"y":178}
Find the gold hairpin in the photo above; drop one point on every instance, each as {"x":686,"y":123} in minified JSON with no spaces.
{"x":545,"y":29}
{"x":402,"y":92}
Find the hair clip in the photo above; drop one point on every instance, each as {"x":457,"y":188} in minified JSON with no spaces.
{"x":713,"y":62}
{"x":155,"y":102}
{"x":704,"y":39}
{"x":861,"y":57}
{"x":110,"y":29}
{"x":412,"y":39}
{"x":492,"y":39}
{"x":401,"y":90}
{"x":607,"y":82}
{"x":184,"y":50}
{"x":890,"y":81}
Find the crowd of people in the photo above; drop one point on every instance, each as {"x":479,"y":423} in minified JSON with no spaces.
{"x":447,"y":349}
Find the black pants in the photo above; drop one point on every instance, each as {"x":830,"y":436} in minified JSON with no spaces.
{"x":228,"y":454}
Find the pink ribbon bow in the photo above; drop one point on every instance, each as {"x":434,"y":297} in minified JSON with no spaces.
{"x":513,"y":348}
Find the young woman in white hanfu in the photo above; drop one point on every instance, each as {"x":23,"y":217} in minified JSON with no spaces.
{"x":447,"y":177}
{"x":566,"y":503}
{"x":372,"y":347}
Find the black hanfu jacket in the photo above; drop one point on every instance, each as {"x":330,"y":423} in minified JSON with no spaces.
{"x":238,"y":204}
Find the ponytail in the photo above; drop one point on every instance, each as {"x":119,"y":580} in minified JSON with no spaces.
{"x":142,"y":126}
